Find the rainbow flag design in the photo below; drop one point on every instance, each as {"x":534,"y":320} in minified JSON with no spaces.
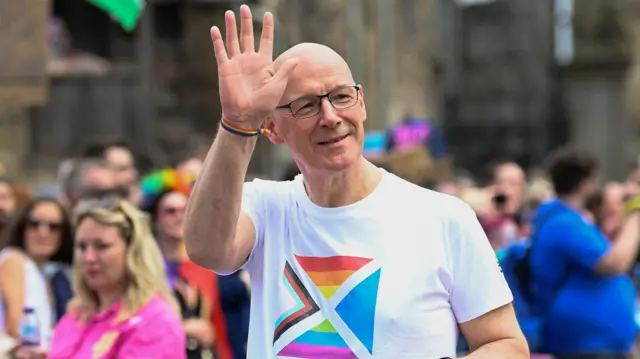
{"x":329,"y":273}
{"x":321,"y":342}
{"x":357,"y":309}
{"x":297,"y":303}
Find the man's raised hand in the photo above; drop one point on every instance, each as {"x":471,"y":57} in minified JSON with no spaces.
{"x":250,"y":87}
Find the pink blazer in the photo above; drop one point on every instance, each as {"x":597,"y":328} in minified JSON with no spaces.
{"x":154,"y":332}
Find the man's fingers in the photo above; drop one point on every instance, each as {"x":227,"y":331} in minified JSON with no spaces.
{"x":266,"y":40}
{"x":232,"y":34}
{"x":218,"y":45}
{"x":246,"y":29}
{"x":285,"y":70}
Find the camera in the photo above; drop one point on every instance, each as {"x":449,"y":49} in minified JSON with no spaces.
{"x":499,"y":201}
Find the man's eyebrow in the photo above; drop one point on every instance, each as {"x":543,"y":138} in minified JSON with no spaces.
{"x":324,"y":93}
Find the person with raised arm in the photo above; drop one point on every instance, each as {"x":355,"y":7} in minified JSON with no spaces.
{"x":347,"y":260}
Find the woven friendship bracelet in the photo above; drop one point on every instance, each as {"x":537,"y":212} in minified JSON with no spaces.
{"x":244,"y":132}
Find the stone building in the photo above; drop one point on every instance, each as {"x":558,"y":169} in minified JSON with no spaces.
{"x":505,"y":95}
{"x":486,"y":73}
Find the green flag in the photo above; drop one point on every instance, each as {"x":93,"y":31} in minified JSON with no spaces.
{"x":126,"y":12}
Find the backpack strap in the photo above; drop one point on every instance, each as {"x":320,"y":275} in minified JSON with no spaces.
{"x":538,"y":223}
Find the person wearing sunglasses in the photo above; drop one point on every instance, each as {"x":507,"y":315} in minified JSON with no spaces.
{"x":122,"y":307}
{"x":40,"y":234}
{"x":165,"y":194}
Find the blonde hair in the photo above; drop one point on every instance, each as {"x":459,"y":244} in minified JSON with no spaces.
{"x":145,"y":269}
{"x":539,"y":190}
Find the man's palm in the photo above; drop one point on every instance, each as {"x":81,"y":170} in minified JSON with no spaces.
{"x":250,"y":89}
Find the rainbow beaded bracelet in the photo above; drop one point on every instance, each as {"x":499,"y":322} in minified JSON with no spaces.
{"x":244,"y":132}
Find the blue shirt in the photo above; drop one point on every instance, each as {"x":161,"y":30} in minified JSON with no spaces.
{"x":584,"y":312}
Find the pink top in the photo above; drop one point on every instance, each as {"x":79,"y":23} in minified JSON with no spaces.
{"x":154,"y":332}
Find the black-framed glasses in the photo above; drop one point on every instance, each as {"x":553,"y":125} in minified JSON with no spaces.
{"x":340,"y":98}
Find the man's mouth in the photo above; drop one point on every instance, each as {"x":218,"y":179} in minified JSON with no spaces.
{"x":333,"y":140}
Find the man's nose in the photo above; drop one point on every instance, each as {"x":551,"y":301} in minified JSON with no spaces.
{"x":328,"y":114}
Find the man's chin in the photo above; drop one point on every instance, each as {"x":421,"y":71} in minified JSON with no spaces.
{"x":339,"y":163}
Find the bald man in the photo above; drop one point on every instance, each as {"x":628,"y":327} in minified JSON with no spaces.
{"x":347,"y":260}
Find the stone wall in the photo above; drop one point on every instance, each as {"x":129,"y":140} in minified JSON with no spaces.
{"x":387,"y":44}
{"x":23,"y":79}
{"x":14,"y":137}
{"x":496,"y":81}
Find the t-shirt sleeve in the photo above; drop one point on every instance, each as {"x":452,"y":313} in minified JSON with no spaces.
{"x":478,"y":285}
{"x":578,"y":242}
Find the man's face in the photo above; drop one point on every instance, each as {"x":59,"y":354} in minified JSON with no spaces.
{"x":309,"y":139}
{"x":632,"y":185}
{"x":121,"y":161}
{"x":613,"y":207}
{"x":511,"y":182}
{"x":101,"y":178}
{"x":614,"y":194}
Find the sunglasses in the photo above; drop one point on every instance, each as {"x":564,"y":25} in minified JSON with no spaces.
{"x":109,"y":204}
{"x":172,"y":210}
{"x":100,"y":193}
{"x":37,"y":224}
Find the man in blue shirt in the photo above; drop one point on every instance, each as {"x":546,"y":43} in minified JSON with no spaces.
{"x":579,"y":277}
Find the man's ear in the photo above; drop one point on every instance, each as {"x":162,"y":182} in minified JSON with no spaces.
{"x":272,"y":134}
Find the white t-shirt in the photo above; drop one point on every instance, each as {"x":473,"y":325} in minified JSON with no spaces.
{"x":387,"y":277}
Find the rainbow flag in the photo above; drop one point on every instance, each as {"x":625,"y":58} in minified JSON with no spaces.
{"x":322,"y":341}
{"x":356,"y":306}
{"x":329,"y":273}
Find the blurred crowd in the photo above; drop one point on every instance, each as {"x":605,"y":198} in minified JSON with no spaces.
{"x":91,"y":246}
{"x":506,"y":205}
{"x":568,"y":246}
{"x":110,"y":241}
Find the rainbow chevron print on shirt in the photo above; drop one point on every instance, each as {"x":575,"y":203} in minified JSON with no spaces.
{"x":344,"y":306}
